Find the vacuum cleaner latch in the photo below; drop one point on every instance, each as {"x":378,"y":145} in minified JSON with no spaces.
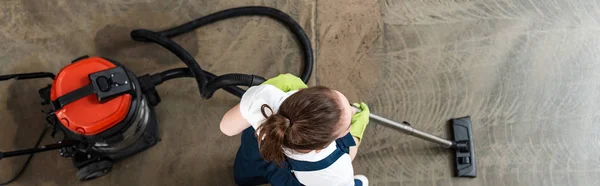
{"x":106,"y":84}
{"x":110,"y":83}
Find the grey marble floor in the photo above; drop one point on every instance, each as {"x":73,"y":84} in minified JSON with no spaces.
{"x":523,"y":70}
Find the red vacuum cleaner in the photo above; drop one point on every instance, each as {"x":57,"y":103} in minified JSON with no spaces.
{"x":106,"y":112}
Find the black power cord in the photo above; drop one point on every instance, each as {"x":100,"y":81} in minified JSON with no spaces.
{"x":37,"y":144}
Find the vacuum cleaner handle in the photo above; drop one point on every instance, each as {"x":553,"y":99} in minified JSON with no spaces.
{"x":406,"y":128}
{"x":44,"y":148}
{"x":23,"y":76}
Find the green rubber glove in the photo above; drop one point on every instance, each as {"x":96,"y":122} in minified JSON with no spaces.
{"x":360,"y":120}
{"x":286,"y":82}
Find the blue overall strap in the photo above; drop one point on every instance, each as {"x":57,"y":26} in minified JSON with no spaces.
{"x":344,"y":143}
{"x":343,"y":147}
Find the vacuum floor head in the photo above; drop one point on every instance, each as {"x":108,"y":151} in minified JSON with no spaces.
{"x":466,"y":165}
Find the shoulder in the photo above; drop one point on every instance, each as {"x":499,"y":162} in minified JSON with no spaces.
{"x":255,"y":97}
{"x":262,"y":92}
{"x":340,"y":172}
{"x":262,"y":89}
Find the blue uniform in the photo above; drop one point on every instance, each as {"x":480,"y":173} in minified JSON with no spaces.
{"x":251,"y":169}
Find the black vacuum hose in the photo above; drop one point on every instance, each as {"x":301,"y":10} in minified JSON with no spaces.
{"x":206,"y":85}
{"x":176,"y":73}
{"x":228,"y":80}
{"x":185,"y":72}
{"x":278,"y":15}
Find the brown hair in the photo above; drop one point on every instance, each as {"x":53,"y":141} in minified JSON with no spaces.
{"x":305,"y":121}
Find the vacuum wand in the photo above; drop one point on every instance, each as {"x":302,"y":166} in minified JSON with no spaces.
{"x":406,"y":128}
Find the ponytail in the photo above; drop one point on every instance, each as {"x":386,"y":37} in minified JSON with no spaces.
{"x":271,"y":136}
{"x":306,"y":120}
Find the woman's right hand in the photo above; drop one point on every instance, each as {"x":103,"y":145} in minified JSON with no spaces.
{"x":360,"y":120}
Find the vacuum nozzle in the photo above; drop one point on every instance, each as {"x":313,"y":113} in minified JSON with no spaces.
{"x":465,"y":150}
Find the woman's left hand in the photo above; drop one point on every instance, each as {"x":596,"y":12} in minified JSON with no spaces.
{"x":286,"y":82}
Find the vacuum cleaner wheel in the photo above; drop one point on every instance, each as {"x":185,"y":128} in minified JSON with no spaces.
{"x":94,"y":170}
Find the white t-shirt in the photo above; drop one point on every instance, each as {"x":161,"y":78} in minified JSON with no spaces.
{"x":339,"y":173}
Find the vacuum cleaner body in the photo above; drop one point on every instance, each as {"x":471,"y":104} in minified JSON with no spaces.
{"x":99,"y":104}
